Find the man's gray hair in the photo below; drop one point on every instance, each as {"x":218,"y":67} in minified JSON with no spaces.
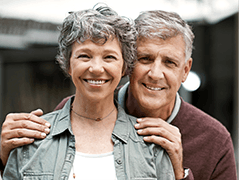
{"x":162,"y":24}
{"x":98,"y":25}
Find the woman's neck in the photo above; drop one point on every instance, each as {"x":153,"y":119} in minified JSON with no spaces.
{"x":93,"y":108}
{"x":89,"y":132}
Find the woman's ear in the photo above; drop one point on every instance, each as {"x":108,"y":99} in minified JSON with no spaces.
{"x":69,"y":70}
{"x":124,"y":69}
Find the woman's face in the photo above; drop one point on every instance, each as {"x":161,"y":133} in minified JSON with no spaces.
{"x":96,"y":69}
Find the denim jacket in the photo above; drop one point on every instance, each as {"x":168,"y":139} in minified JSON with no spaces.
{"x":52,"y":157}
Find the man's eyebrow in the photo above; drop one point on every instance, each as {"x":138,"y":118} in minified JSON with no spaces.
{"x":143,"y":54}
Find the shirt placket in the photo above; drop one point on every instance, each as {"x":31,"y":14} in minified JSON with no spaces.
{"x":69,"y":159}
{"x":118,"y":159}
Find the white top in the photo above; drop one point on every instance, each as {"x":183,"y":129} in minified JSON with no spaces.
{"x":93,"y":166}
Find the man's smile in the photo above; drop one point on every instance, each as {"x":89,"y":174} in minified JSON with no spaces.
{"x":150,"y":87}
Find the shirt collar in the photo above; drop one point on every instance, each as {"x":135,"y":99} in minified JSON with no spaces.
{"x":63,"y":121}
{"x":122,"y":100}
{"x":122,"y":95}
{"x":175,"y":109}
{"x":121,"y":129}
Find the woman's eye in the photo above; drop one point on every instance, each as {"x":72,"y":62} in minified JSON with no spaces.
{"x":110,"y":57}
{"x":83,"y":56}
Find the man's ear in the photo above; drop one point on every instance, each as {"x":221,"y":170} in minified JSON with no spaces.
{"x":187,"y":69}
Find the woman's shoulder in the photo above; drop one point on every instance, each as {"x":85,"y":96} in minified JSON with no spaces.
{"x":51,"y":116}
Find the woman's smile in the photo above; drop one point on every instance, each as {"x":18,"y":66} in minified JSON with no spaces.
{"x":96,"y":83}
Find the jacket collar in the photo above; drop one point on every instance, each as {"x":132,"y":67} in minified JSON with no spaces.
{"x":121,"y":129}
{"x":63,"y":122}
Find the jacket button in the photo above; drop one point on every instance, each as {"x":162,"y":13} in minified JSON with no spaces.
{"x":119,"y":161}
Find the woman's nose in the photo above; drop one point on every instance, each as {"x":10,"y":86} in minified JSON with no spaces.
{"x":96,"y":66}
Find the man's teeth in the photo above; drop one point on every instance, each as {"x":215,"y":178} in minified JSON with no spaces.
{"x":153,"y":88}
{"x":96,"y":82}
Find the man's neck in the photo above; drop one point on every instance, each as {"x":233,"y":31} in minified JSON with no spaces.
{"x":135,"y":109}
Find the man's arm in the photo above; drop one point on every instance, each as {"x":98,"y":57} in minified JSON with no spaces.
{"x":226,"y":165}
{"x":20,"y":129}
{"x":148,"y":127}
{"x":168,"y":136}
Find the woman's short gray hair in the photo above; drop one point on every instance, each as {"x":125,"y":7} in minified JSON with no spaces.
{"x":162,"y":24}
{"x":98,"y":25}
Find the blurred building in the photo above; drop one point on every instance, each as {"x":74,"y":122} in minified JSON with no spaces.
{"x":30,"y":78}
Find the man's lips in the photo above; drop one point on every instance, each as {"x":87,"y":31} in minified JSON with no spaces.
{"x":153,"y":88}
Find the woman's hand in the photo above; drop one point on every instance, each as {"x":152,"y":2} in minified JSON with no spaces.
{"x":166,"y":135}
{"x":20,"y":129}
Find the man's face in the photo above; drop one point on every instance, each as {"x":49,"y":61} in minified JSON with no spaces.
{"x":158,"y":74}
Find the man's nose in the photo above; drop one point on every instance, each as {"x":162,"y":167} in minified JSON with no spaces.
{"x":156,"y":71}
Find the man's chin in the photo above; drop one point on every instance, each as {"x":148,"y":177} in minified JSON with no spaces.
{"x":149,"y":104}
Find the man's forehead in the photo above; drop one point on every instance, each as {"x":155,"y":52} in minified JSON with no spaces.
{"x":174,"y":45}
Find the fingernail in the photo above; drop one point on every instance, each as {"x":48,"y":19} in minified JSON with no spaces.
{"x":139,"y":120}
{"x":139,"y":131}
{"x":48,"y":124}
{"x":136,"y":125}
{"x":47,"y":130}
{"x":31,"y":139}
{"x":43,"y":135}
{"x":146,"y":138}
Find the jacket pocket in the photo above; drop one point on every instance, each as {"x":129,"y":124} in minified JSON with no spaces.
{"x":38,"y":176}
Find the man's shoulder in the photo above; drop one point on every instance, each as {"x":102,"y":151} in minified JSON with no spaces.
{"x":191,"y":118}
{"x":62,"y":103}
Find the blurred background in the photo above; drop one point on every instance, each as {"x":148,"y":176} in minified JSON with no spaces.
{"x":30,"y":78}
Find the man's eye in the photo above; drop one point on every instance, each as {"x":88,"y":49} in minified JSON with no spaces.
{"x":144,"y":60}
{"x":171,"y":63}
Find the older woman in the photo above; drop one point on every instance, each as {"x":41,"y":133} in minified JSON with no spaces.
{"x":92,"y":137}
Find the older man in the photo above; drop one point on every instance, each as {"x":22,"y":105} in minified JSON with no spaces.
{"x":198,"y":145}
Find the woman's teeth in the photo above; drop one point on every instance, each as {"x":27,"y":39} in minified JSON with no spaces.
{"x":96,"y":82}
